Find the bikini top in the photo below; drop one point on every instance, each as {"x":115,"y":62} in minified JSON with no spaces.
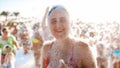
{"x":71,"y":60}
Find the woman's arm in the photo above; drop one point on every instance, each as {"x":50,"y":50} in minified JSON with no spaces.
{"x":44,"y":18}
{"x":40,"y":39}
{"x":45,"y":59}
{"x":15,"y":43}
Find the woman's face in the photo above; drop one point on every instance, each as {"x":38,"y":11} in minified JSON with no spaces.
{"x":5,"y":32}
{"x":15,"y":30}
{"x":59,"y":23}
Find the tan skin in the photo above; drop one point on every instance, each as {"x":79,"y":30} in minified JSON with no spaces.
{"x":102,"y":59}
{"x":37,"y":49}
{"x":65,"y":47}
{"x":15,"y":30}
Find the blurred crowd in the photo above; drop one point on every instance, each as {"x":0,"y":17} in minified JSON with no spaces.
{"x":104,"y":38}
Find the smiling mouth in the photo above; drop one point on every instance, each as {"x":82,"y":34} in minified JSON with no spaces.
{"x":59,"y":31}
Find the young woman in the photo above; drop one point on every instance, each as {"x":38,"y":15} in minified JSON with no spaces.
{"x":37,"y":43}
{"x":64,"y":51}
{"x":6,"y":39}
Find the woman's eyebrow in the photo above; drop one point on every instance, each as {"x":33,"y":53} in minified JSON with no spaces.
{"x":62,"y":17}
{"x":53,"y":19}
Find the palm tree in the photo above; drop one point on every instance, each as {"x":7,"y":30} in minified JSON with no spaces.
{"x":5,"y":13}
{"x":16,"y":14}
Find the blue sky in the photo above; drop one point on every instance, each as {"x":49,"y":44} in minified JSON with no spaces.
{"x":85,"y":10}
{"x":23,"y":6}
{"x":11,"y":4}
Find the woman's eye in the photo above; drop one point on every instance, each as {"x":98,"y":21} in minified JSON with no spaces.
{"x":53,"y":22}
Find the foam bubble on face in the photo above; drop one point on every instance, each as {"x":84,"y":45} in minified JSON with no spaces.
{"x":60,"y":8}
{"x":56,"y":7}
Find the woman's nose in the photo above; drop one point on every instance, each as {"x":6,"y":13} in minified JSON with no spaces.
{"x":58,"y":24}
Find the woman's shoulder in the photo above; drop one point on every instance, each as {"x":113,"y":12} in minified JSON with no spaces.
{"x":47,"y":44}
{"x":81,"y":44}
{"x":83,"y":48}
{"x":46,"y":47}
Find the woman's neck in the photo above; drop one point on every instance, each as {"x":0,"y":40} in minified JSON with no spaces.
{"x":64,"y":44}
{"x":63,"y":41}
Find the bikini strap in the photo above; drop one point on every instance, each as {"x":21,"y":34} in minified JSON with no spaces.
{"x":72,"y":60}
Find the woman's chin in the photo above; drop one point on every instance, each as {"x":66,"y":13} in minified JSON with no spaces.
{"x":61,"y":37}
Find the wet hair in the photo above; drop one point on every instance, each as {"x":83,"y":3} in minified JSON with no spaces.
{"x":36,"y":26}
{"x":4,"y":29}
{"x":56,"y":7}
{"x":8,"y":48}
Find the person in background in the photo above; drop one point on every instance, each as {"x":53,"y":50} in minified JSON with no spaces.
{"x":9,"y":58}
{"x":24,"y":39}
{"x":102,"y":58}
{"x":6,"y":39}
{"x":65,"y":51}
{"x":14,"y":31}
{"x":0,"y":29}
{"x":37,"y":43}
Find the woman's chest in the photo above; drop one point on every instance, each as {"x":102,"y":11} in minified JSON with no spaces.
{"x":69,"y":55}
{"x":59,"y":53}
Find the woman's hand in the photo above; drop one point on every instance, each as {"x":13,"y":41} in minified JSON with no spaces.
{"x":44,"y":25}
{"x":62,"y":64}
